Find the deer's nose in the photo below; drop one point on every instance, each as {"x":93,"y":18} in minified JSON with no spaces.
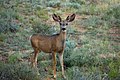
{"x":63,"y":29}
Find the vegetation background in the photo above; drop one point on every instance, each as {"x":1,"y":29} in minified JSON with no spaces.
{"x":93,"y":40}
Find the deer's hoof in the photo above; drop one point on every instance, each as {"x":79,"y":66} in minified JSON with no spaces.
{"x":38,"y":73}
{"x":54,"y":76}
{"x":64,"y":77}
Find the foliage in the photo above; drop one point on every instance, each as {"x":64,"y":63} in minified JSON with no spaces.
{"x":90,"y":9}
{"x":42,"y":13}
{"x":70,"y":5}
{"x":78,"y":1}
{"x":41,"y":28}
{"x":2,"y":37}
{"x":114,"y":69}
{"x":91,"y":22}
{"x":112,"y":15}
{"x":70,"y":46}
{"x":14,"y":57}
{"x":76,"y":73}
{"x":17,"y":72}
{"x":53,"y":3}
{"x":8,"y":21}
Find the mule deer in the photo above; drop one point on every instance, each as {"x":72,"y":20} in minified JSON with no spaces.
{"x":52,"y":44}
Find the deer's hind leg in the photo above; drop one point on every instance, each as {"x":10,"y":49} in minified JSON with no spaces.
{"x":34,"y":61}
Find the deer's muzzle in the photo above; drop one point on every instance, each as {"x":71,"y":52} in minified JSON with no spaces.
{"x":63,"y":29}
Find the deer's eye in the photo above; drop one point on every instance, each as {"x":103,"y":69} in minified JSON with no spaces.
{"x":66,"y":23}
{"x":60,"y":23}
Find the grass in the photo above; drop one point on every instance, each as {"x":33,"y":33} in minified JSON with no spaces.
{"x":17,"y":71}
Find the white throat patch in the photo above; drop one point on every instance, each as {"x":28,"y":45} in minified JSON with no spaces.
{"x":64,"y":30}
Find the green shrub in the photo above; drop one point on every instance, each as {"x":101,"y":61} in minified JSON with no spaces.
{"x":42,"y":13}
{"x":17,"y":72}
{"x":112,"y":15}
{"x":70,"y":45}
{"x":13,"y":58}
{"x":70,"y":5}
{"x":7,"y":21}
{"x":78,"y":1}
{"x":41,"y":28}
{"x":88,"y":53}
{"x":90,"y":9}
{"x":3,"y":3}
{"x":53,"y":3}
{"x":92,"y":22}
{"x":74,"y":73}
{"x":114,"y":67}
{"x":2,"y":37}
{"x":82,"y":57}
{"x":84,"y":73}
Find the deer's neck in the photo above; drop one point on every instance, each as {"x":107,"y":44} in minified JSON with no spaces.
{"x":62,"y":35}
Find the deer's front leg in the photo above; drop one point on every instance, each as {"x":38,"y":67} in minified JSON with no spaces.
{"x":62,"y":64}
{"x":54,"y":63}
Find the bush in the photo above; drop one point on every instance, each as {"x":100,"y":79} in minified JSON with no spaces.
{"x":92,"y":22}
{"x":17,"y":72}
{"x":83,"y":73}
{"x":78,"y":1}
{"x":8,"y":21}
{"x":41,"y":28}
{"x":81,"y":57}
{"x":74,"y":73}
{"x":53,"y":3}
{"x":70,"y":45}
{"x":2,"y":37}
{"x":14,"y":58}
{"x":112,"y":15}
{"x":90,"y":9}
{"x":70,"y":5}
{"x":114,"y":67}
{"x":89,"y":52}
{"x":42,"y":13}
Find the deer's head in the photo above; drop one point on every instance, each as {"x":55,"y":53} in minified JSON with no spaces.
{"x":63,"y":23}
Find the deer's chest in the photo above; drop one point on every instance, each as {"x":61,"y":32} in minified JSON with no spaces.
{"x":59,"y":46}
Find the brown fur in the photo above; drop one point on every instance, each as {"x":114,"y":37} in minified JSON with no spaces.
{"x":48,"y":44}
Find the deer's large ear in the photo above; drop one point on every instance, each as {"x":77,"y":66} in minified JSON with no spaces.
{"x":56,"y":18}
{"x":70,"y":18}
